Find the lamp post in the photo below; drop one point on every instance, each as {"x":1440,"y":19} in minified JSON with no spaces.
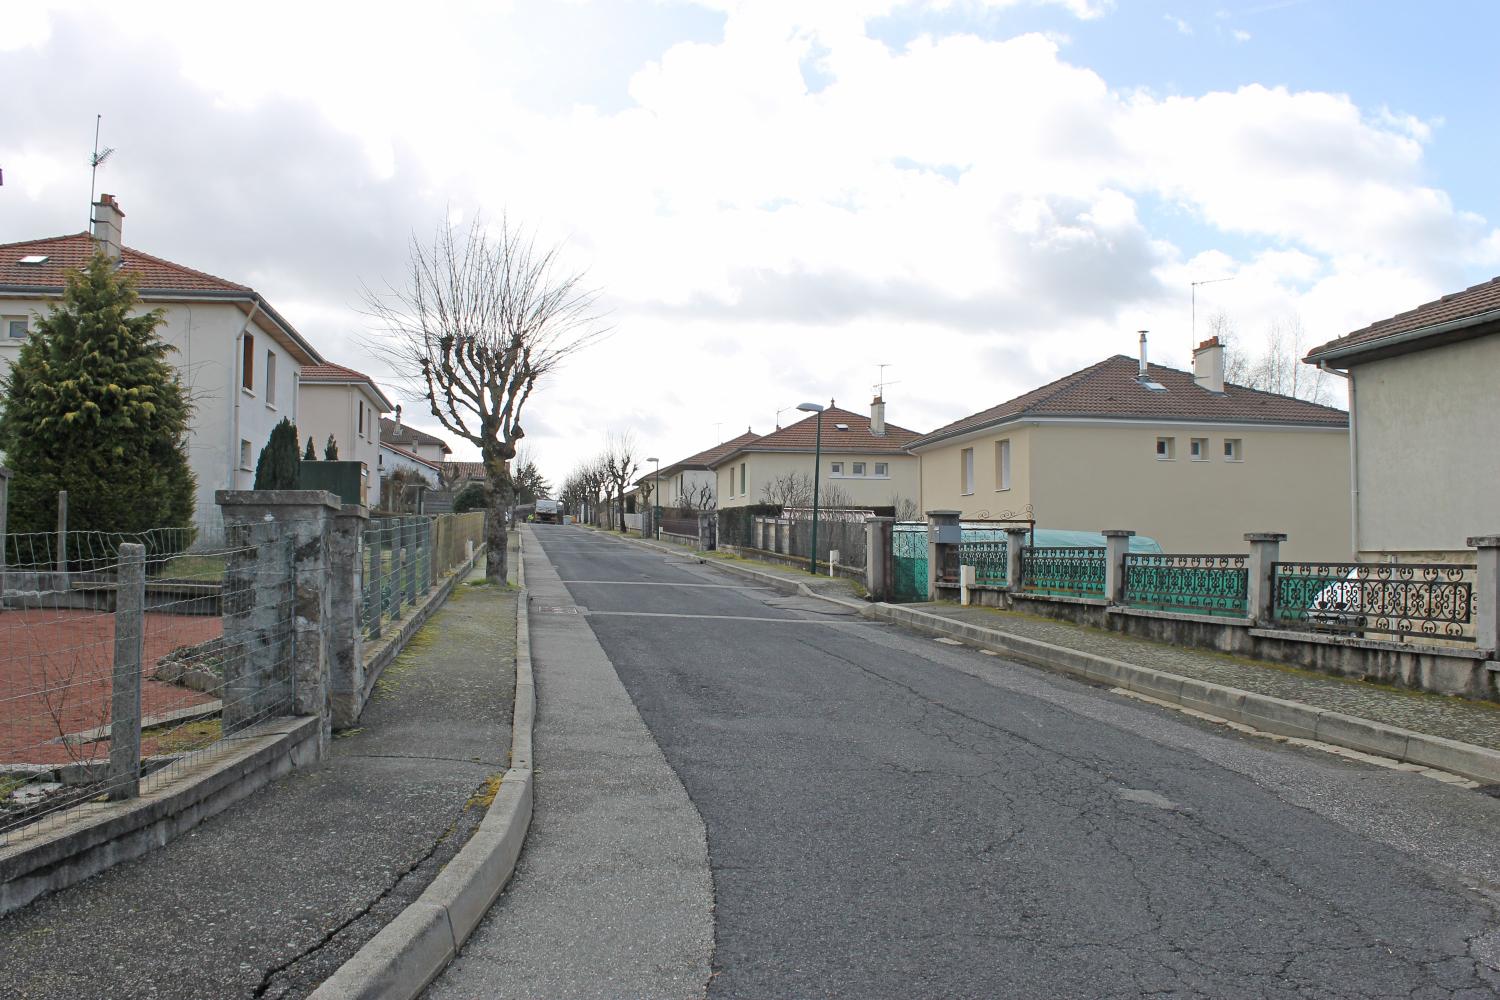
{"x":656,"y":500}
{"x":812,"y":559}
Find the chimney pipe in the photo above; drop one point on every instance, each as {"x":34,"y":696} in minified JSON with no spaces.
{"x":877,"y":417}
{"x":1143,"y":354}
{"x":109,"y":223}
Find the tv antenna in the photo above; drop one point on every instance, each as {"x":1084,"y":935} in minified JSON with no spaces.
{"x":879,"y":386}
{"x":1194,"y":333}
{"x":94,"y":161}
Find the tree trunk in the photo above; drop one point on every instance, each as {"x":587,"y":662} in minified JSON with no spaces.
{"x":496,"y":539}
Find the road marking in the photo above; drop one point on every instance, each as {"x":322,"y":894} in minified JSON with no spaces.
{"x":650,"y":583}
{"x":732,"y":618}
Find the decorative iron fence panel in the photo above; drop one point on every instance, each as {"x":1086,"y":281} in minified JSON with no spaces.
{"x":1065,"y":571}
{"x":909,"y":561}
{"x":1403,"y":599}
{"x":1198,"y":584}
{"x":987,"y":557}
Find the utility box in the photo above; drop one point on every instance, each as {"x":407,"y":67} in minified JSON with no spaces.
{"x":949,"y":534}
{"x":347,"y":479}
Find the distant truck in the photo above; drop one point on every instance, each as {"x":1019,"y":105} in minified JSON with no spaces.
{"x":548,"y":511}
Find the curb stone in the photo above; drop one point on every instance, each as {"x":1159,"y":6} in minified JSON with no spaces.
{"x":1262,"y":712}
{"x":408,"y":953}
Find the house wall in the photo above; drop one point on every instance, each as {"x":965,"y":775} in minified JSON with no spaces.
{"x":686,"y":482}
{"x":1092,"y":476}
{"x":333,"y":408}
{"x":205,"y":336}
{"x":942,"y":476}
{"x":390,"y":462}
{"x":1426,"y":427}
{"x":761,"y":468}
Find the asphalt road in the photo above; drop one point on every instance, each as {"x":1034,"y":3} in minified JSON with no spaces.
{"x":888,"y":816}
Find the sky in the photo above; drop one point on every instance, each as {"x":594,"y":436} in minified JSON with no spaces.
{"x":775,"y":197}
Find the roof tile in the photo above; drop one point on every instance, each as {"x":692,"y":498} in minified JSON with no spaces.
{"x":70,"y":253}
{"x":1473,"y":301}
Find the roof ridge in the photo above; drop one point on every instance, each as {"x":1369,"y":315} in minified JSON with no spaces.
{"x":184,"y":267}
{"x":44,"y":239}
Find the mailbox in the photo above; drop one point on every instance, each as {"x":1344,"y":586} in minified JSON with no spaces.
{"x":949,"y":534}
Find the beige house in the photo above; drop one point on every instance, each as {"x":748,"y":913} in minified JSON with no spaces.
{"x":346,"y":405}
{"x":1424,"y":400}
{"x":239,"y":359}
{"x":689,"y":484}
{"x":864,"y":463}
{"x":1181,"y":457}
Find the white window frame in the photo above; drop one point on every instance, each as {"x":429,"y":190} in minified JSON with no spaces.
{"x":1168,"y":453}
{"x":856,"y":468}
{"x":1002,"y":464}
{"x":836,"y":469}
{"x":1234,"y":449}
{"x":882,"y":470}
{"x":966,"y":471}
{"x":10,"y":322}
{"x":1198,"y":449}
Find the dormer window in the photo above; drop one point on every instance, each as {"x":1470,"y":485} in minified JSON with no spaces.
{"x":841,"y":427}
{"x":33,"y":259}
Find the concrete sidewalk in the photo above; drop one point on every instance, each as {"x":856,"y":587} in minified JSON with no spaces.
{"x":271,"y":896}
{"x":1466,"y":722}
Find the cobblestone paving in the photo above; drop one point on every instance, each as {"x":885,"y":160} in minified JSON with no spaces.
{"x":1437,"y":715}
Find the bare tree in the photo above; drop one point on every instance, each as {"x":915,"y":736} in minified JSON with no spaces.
{"x":700,"y":498}
{"x":1279,"y":368}
{"x":906,"y":508}
{"x":477,"y":321}
{"x":620,"y":467}
{"x":1236,"y":364}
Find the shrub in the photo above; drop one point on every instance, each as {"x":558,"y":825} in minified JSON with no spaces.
{"x":471,"y":497}
{"x":278,"y":464}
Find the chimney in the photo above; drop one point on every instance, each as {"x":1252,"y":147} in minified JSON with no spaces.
{"x":398,"y":419}
{"x":108,"y":224}
{"x":877,"y":417}
{"x":1143,"y":354}
{"x":1208,"y":365}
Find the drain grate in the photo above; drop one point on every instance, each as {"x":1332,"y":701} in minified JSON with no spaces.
{"x":544,"y":609}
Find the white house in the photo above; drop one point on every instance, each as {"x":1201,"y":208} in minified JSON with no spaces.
{"x":427,"y":447}
{"x":393,"y":459}
{"x":689,"y":484}
{"x":239,"y":359}
{"x":346,"y":405}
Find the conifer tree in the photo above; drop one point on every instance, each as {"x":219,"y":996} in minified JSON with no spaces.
{"x":308,"y":454}
{"x":278,"y":465}
{"x":93,"y":406}
{"x":331,"y":450}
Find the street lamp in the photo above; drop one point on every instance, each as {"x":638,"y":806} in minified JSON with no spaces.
{"x":812,"y":560}
{"x":656,"y":500}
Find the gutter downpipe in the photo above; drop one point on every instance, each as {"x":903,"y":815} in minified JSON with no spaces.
{"x":1353,"y":459}
{"x":236,"y":378}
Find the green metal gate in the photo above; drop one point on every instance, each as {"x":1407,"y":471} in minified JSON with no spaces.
{"x":909,"y":561}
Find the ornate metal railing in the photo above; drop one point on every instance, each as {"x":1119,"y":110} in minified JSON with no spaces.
{"x":987,"y":556}
{"x":1070,"y":572}
{"x":909,"y":559}
{"x":1403,"y":599}
{"x":1198,"y":584}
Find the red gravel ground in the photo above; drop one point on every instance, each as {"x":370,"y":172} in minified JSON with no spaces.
{"x":55,"y":671}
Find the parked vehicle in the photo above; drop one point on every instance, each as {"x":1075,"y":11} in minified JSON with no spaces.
{"x":548,"y":511}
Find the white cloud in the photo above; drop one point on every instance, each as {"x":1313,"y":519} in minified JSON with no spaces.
{"x":1240,"y":35}
{"x":980,"y":213}
{"x":1183,"y":28}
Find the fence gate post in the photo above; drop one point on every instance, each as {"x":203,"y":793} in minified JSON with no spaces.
{"x":1487,"y":591}
{"x":943,"y":535}
{"x":878,"y":557}
{"x":1015,"y":544}
{"x":1265,"y":548}
{"x":125,"y":689}
{"x":346,"y":647}
{"x":1116,"y":544}
{"x":706,"y":540}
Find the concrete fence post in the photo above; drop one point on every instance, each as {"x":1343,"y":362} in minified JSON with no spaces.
{"x":833,"y":561}
{"x":346,"y":646}
{"x":707,"y":541}
{"x":967,"y":575}
{"x":879,"y":539}
{"x":783,"y":536}
{"x":62,"y":539}
{"x":1016,"y":539}
{"x":1487,"y":592}
{"x":943,"y":534}
{"x":1116,"y":544}
{"x":1265,"y":549}
{"x":125,"y":687}
{"x":4,"y":528}
{"x":287,"y":666}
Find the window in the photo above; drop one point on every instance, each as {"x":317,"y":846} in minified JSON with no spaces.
{"x":859,"y":469}
{"x":1232,"y":450}
{"x":1166,"y":449}
{"x":1002,"y":464}
{"x":247,"y":364}
{"x":245,"y":455}
{"x":360,"y":426}
{"x":16,"y":327}
{"x":270,"y":378}
{"x":882,"y":469}
{"x":743,"y":488}
{"x":1198,"y":450}
{"x":837,"y":468}
{"x":967,"y":464}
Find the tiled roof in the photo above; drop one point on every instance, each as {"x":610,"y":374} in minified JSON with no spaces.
{"x":434,"y":466}
{"x":468,"y":470}
{"x":707,"y":458}
{"x":1467,"y":304}
{"x":72,"y":252}
{"x":405,"y":434}
{"x":802,"y":436}
{"x":1111,"y":389}
{"x":338,"y":374}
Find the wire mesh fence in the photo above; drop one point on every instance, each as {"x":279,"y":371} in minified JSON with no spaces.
{"x":124,"y":655}
{"x":404,"y":556}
